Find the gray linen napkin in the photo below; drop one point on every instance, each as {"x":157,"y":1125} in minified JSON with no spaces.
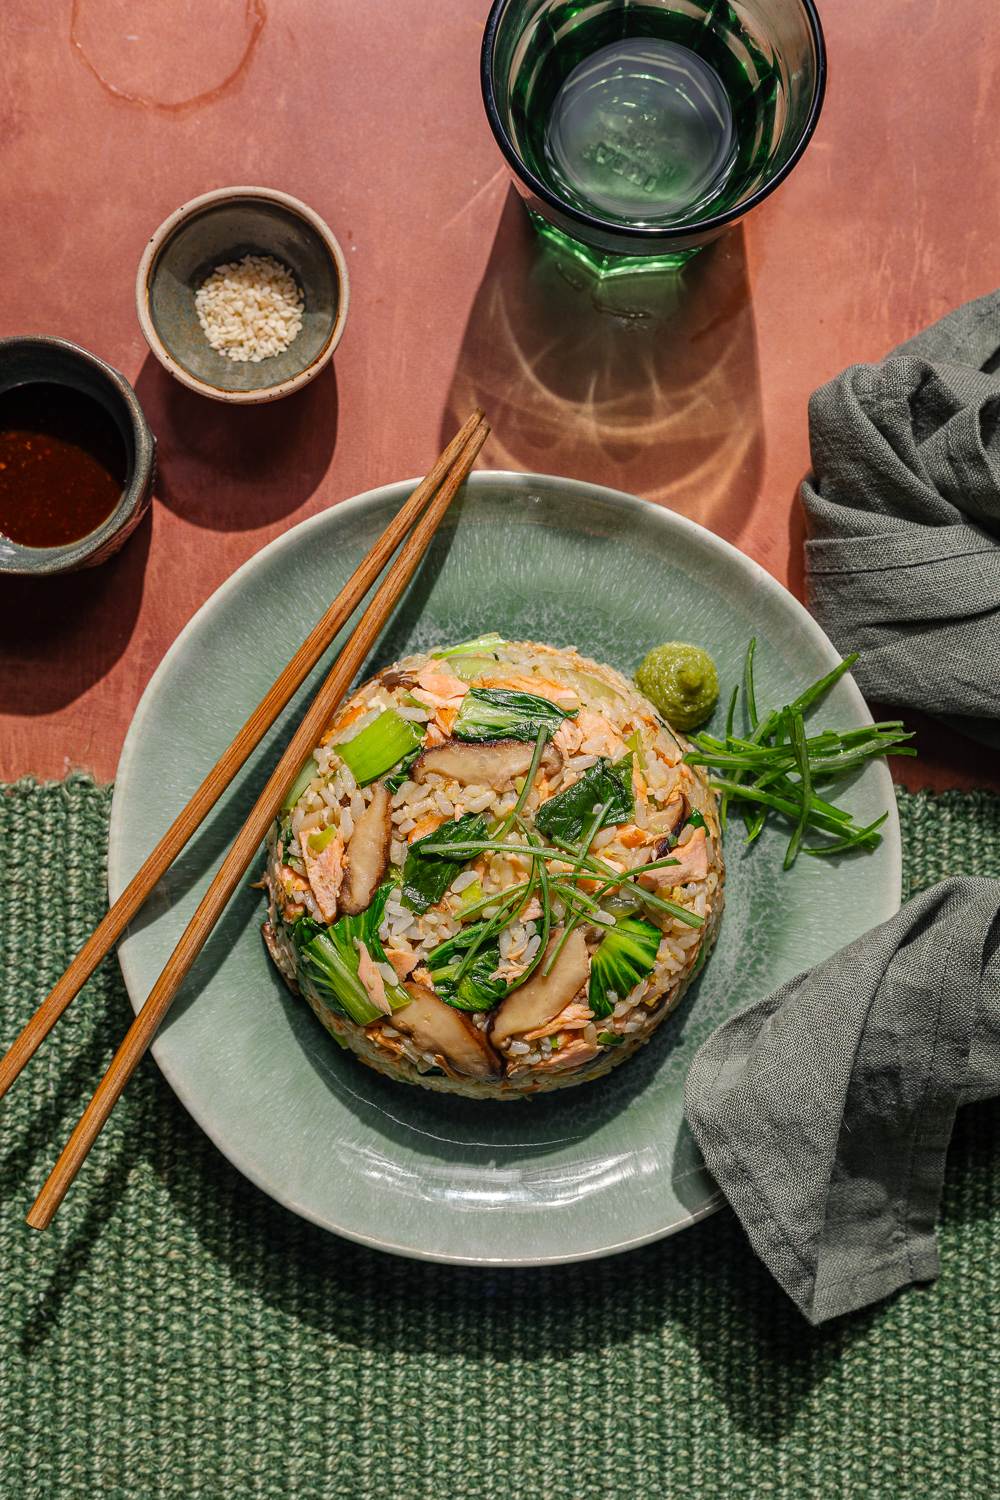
{"x":825,"y":1110}
{"x":903,"y":508}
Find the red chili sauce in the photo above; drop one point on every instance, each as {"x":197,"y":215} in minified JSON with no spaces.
{"x":62,"y":464}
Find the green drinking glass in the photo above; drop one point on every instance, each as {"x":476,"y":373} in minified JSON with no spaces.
{"x":639,"y":130}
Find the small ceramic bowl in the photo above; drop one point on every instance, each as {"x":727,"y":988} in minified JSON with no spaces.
{"x":224,"y":226}
{"x":57,"y":361}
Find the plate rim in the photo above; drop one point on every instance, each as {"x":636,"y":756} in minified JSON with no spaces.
{"x":621,"y":499}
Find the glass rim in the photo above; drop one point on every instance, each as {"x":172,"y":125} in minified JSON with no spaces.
{"x":645,"y":233}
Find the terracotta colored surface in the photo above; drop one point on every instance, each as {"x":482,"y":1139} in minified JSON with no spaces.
{"x":112,"y":112}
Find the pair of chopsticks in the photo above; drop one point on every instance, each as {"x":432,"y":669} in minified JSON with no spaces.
{"x":423,"y":513}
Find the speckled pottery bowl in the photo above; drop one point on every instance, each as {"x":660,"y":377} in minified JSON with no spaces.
{"x":57,"y":361}
{"x":220,"y":227}
{"x":569,"y":1175}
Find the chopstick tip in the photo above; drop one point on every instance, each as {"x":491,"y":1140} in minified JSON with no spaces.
{"x":37,"y":1218}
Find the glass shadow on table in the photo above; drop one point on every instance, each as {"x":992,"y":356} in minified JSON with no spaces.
{"x":647,"y":383}
{"x":226,"y":467}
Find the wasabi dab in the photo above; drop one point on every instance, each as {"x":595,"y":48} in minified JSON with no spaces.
{"x":681,"y":681}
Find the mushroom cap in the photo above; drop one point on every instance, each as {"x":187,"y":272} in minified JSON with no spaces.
{"x":493,"y":763}
{"x":545,"y":995}
{"x":367,"y":853}
{"x":448,"y":1033}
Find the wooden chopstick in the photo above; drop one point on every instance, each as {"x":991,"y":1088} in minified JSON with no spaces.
{"x":249,"y":839}
{"x":113,"y":924}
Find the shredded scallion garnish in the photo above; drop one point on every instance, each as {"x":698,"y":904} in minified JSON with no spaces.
{"x":590,"y":865}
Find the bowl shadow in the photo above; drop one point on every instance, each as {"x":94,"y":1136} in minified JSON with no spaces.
{"x":63,"y":633}
{"x":234,"y":468}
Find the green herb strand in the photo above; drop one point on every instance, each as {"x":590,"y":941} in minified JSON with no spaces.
{"x":574,"y":874}
{"x":749,"y":695}
{"x":528,"y":783}
{"x":805,"y":789}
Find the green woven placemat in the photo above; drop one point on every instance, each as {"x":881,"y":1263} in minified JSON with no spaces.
{"x":178,"y":1334}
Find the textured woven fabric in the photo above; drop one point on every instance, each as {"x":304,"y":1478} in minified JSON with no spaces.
{"x":177,"y":1334}
{"x":903,"y":561}
{"x":825,"y":1109}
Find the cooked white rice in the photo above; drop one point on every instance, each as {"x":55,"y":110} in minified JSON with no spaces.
{"x":672,"y":805}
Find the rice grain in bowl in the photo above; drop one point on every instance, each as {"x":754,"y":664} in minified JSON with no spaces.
{"x":495,"y":877}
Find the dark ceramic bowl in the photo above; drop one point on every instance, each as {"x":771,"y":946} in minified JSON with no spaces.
{"x":223,"y":226}
{"x":28,"y":359}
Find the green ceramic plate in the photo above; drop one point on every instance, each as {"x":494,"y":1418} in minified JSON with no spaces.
{"x":579,"y":1173}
